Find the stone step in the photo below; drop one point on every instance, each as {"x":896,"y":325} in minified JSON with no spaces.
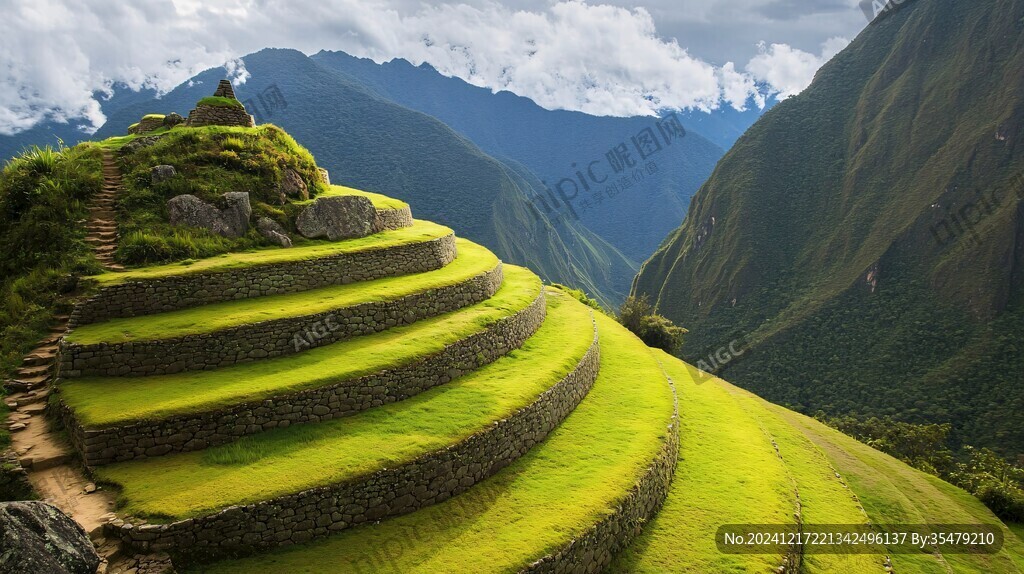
{"x":33,"y":371}
{"x":38,"y":359}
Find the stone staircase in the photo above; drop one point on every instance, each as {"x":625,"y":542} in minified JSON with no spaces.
{"x":102,"y":225}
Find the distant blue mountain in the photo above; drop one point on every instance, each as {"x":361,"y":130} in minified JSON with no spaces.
{"x":556,"y":144}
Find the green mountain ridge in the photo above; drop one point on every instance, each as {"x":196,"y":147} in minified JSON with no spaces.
{"x":866,"y":238}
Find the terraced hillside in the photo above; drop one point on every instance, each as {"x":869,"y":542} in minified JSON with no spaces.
{"x":405,"y":402}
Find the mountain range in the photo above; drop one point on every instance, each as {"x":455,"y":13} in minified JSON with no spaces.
{"x":495,"y":165}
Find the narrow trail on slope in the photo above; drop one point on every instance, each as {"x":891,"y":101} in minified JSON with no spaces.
{"x":102,"y":226}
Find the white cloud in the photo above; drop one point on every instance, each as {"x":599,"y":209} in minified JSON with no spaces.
{"x":600,"y":59}
{"x":788,"y":70}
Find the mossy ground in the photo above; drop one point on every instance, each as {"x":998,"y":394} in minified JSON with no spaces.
{"x":126,"y":399}
{"x":550,"y":495}
{"x":472,"y":260}
{"x":284,"y":461}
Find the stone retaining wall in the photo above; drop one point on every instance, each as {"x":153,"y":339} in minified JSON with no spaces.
{"x":594,"y":550}
{"x":428,"y":480}
{"x":270,"y":339}
{"x":395,"y":218}
{"x":219,"y":116}
{"x":148,"y":296}
{"x":202,"y":430}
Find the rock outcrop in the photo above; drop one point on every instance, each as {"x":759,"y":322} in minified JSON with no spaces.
{"x":162,"y":173}
{"x":172,"y":119}
{"x":137,"y":144}
{"x":339,"y":217}
{"x":325,"y":175}
{"x":148,"y":124}
{"x":292,"y":186}
{"x":273,"y":231}
{"x":36,"y":537}
{"x":232,"y":221}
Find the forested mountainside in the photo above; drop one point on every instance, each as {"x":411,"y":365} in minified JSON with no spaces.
{"x":555,"y":144}
{"x":372,"y":143}
{"x":864,"y":241}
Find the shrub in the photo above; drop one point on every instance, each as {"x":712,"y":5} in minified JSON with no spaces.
{"x":639,"y":316}
{"x":581,"y":296}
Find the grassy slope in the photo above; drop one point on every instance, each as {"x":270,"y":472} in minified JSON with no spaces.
{"x":296,"y":458}
{"x":421,"y":231}
{"x":743,"y":483}
{"x":472,"y":260}
{"x":126,"y":399}
{"x":534,"y":506}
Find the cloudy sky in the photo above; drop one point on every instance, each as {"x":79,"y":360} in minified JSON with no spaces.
{"x":606,"y":57}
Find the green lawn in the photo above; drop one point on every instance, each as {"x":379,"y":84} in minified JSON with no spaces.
{"x":107,"y":401}
{"x":421,"y":231}
{"x":1017,"y":529}
{"x":296,"y":458}
{"x":472,"y":260}
{"x":537,"y":505}
{"x":379,"y":201}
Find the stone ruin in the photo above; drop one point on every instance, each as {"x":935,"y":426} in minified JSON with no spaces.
{"x":205,"y":115}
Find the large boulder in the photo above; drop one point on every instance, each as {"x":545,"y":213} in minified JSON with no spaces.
{"x":273,"y":231}
{"x":161,"y":173}
{"x":237,"y":213}
{"x":292,"y":186}
{"x":232,"y":221}
{"x":37,"y":537}
{"x":173,"y":119}
{"x":338,"y":217}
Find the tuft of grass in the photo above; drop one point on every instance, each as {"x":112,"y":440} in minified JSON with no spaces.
{"x":153,"y":117}
{"x":125,"y":399}
{"x":292,"y":459}
{"x":220,"y":102}
{"x":552,"y":494}
{"x":472,"y":260}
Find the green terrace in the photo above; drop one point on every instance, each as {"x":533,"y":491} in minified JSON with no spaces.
{"x":472,"y":260}
{"x":551,"y":495}
{"x":292,"y":459}
{"x":379,"y":201}
{"x":420,"y":232}
{"x":109,"y":401}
